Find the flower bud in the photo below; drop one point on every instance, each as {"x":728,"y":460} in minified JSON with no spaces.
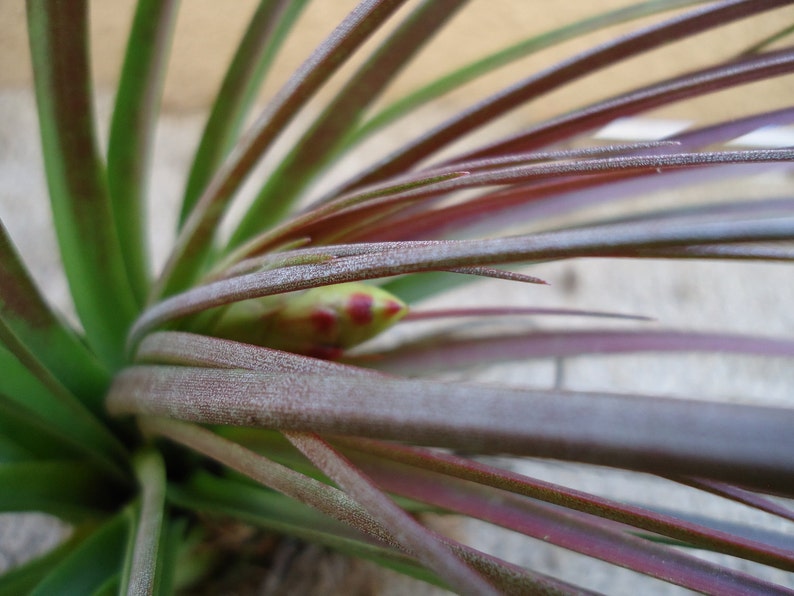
{"x":321,"y":322}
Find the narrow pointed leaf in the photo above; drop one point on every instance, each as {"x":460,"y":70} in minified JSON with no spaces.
{"x":24,"y":578}
{"x":251,"y":497}
{"x":291,"y":228}
{"x":132,"y":131}
{"x":449,"y":82}
{"x":357,"y":216}
{"x":588,"y":62}
{"x":34,"y":437}
{"x":24,"y":311}
{"x":604,"y":240}
{"x":651,"y":521}
{"x":64,"y":488}
{"x":731,"y":442}
{"x":739,"y":495}
{"x":90,"y":247}
{"x":320,"y":144}
{"x":743,"y":252}
{"x":311,"y":255}
{"x":769,"y":40}
{"x":258,"y":48}
{"x":197,"y":234}
{"x":494,"y":208}
{"x":142,"y":574}
{"x":27,"y":383}
{"x":312,"y":492}
{"x":510,"y":311}
{"x":450,"y":353}
{"x":570,"y":530}
{"x":280,"y":514}
{"x":337,"y":504}
{"x":94,"y":562}
{"x":774,"y":540}
{"x":175,"y":347}
{"x":500,"y":274}
{"x":412,"y":535}
{"x":708,"y":80}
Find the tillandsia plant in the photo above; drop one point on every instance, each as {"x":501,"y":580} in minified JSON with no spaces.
{"x":239,"y":382}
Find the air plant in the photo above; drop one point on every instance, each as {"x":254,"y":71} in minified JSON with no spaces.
{"x":239,"y":382}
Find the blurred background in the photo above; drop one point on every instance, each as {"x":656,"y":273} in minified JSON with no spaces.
{"x":206,"y":36}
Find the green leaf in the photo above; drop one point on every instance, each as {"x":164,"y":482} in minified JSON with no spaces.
{"x":24,"y":578}
{"x":320,"y":143}
{"x":109,"y":588}
{"x":267,"y":31}
{"x":32,"y":437}
{"x":50,"y":339}
{"x":245,"y":497}
{"x":90,"y":248}
{"x":342,"y":508}
{"x":325,"y":498}
{"x":132,"y":132}
{"x":67,"y":489}
{"x":173,"y":546}
{"x":770,"y":40}
{"x":195,"y":239}
{"x":142,"y":575}
{"x":11,"y":451}
{"x":281,"y":514}
{"x":91,"y":565}
{"x":28,"y":384}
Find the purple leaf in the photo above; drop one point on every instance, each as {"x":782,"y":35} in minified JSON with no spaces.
{"x":320,"y":144}
{"x":651,"y":521}
{"x":463,"y":352}
{"x":410,"y":533}
{"x":596,"y":241}
{"x":508,"y":311}
{"x":196,"y":235}
{"x":689,"y":85}
{"x":356,"y":219}
{"x":584,"y":64}
{"x":339,"y":505}
{"x":739,"y":495}
{"x":737,"y":443}
{"x":189,"y":349}
{"x":572,"y":530}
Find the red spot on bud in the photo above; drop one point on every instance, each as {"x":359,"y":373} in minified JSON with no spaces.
{"x":323,"y":320}
{"x":392,"y":308}
{"x":359,"y":308}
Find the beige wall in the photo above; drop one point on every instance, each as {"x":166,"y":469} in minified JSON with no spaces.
{"x":207,"y":32}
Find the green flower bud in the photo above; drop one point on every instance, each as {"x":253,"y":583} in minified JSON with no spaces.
{"x":320,"y":322}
